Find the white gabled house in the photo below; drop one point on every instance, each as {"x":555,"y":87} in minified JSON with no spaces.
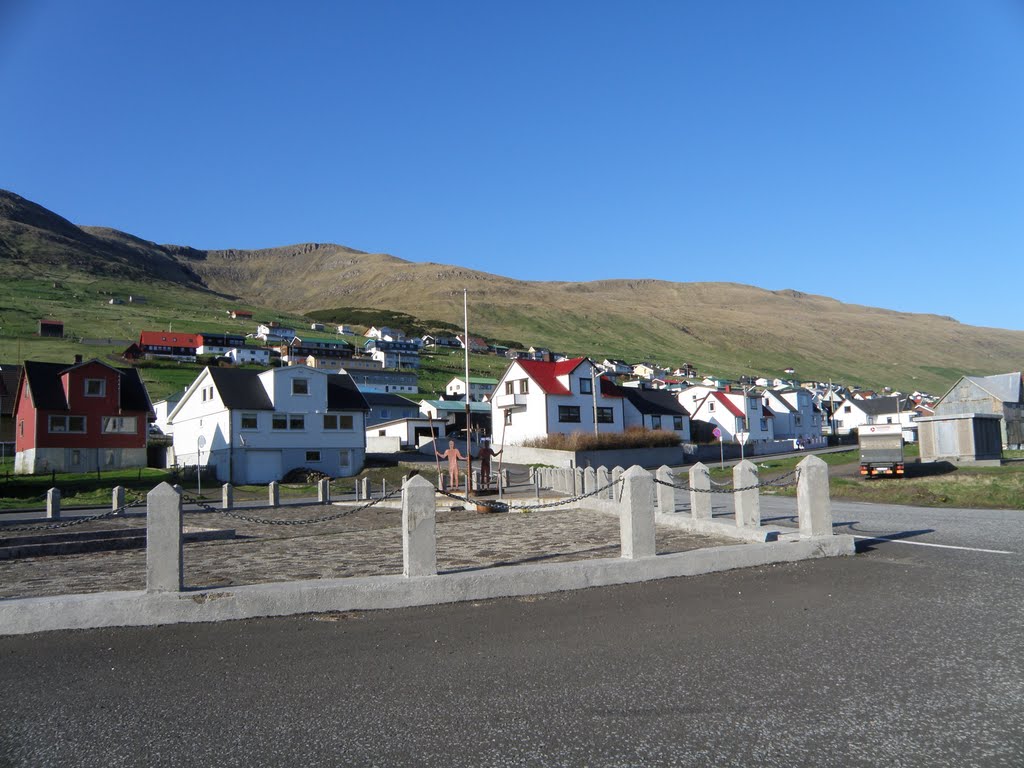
{"x":854,"y":413}
{"x":655,"y":409}
{"x":254,"y":426}
{"x":480,"y":387}
{"x":796,"y":416}
{"x":735,"y":412}
{"x":535,"y":398}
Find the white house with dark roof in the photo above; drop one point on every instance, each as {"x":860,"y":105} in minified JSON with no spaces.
{"x":480,"y":387}
{"x":655,"y":409}
{"x":853,"y":413}
{"x":254,"y":426}
{"x":534,"y":398}
{"x":796,"y":415}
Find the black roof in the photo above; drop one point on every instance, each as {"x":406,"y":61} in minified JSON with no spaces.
{"x":48,"y":393}
{"x":240,"y":389}
{"x":343,"y":395}
{"x":878,"y":406}
{"x":9,"y":376}
{"x":654,"y":401}
{"x":374,"y":399}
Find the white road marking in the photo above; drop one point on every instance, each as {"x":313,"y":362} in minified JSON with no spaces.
{"x":940,"y":546}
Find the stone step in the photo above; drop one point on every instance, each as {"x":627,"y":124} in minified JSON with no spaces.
{"x":68,"y":543}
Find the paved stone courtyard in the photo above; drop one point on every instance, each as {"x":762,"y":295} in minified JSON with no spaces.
{"x":366,"y":543}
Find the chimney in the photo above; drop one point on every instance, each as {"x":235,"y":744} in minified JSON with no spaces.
{"x":78,"y":359}
{"x":728,"y":387}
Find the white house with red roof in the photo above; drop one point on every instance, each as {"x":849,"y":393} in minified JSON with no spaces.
{"x":735,"y":412}
{"x":534,"y":398}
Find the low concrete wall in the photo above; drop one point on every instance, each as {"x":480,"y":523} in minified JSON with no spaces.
{"x":114,"y":609}
{"x":383,"y":444}
{"x":643,"y":457}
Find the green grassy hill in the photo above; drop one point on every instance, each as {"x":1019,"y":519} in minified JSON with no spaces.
{"x":56,"y":269}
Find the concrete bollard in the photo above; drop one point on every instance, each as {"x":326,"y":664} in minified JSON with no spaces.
{"x":636,"y":518}
{"x":578,"y":477}
{"x":164,"y":557}
{"x":323,"y":491}
{"x":274,"y":493}
{"x":117,"y":498}
{"x":419,"y":531}
{"x":813,"y":500}
{"x":227,"y":496}
{"x":616,"y":490}
{"x":589,"y":480}
{"x":53,"y":504}
{"x":748,"y":503}
{"x":603,"y":480}
{"x":666,"y":494}
{"x":700,"y":493}
{"x":366,"y":488}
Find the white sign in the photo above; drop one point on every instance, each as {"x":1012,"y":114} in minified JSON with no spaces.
{"x":742,"y":437}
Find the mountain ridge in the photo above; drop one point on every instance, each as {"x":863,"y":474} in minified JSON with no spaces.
{"x":725,"y":326}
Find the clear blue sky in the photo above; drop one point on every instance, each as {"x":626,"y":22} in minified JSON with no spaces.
{"x":872,"y":151}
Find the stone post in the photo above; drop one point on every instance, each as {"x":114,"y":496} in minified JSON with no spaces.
{"x":117,"y":498}
{"x":227,"y":496}
{"x":419,"y":539}
{"x":603,"y":480}
{"x":665,"y":493}
{"x":164,"y":557}
{"x":700,"y":493}
{"x":366,"y":488}
{"x":53,"y":504}
{"x":616,"y":490}
{"x":748,"y":503}
{"x":636,"y":517}
{"x":813,"y":501}
{"x":578,"y":476}
{"x":323,"y":491}
{"x":589,"y":480}
{"x":274,"y":493}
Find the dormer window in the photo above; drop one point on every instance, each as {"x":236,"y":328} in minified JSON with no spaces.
{"x":95,"y":387}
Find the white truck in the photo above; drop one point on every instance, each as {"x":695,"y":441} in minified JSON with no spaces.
{"x":881,"y":450}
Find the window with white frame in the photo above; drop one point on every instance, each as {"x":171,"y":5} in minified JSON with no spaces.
{"x":251,"y":421}
{"x":586,"y":386}
{"x":95,"y":387}
{"x":71,"y":424}
{"x":524,"y":386}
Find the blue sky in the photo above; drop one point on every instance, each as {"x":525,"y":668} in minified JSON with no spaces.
{"x":869,"y":151}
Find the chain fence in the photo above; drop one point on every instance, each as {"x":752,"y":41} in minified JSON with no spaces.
{"x":70,"y":523}
{"x":778,"y":482}
{"x":506,"y":506}
{"x":278,"y":521}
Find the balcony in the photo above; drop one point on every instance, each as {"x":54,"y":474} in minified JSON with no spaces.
{"x":509,"y":401}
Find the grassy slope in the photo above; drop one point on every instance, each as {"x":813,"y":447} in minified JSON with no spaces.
{"x":722,"y":328}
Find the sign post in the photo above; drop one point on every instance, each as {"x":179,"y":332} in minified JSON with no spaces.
{"x":741,"y":438}
{"x":721,"y":448}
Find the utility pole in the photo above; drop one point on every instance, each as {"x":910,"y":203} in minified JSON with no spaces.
{"x":593,"y":391}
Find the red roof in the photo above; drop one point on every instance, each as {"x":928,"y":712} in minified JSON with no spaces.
{"x":169,"y":339}
{"x":720,"y":397}
{"x":546,"y":374}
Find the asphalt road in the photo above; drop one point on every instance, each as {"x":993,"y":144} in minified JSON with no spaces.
{"x":905,"y":655}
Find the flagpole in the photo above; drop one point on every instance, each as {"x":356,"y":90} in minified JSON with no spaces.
{"x":469,"y":457}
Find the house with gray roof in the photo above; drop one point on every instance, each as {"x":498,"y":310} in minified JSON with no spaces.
{"x":252,"y":427}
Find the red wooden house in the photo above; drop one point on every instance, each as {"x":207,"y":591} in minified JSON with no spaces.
{"x":79,"y":418}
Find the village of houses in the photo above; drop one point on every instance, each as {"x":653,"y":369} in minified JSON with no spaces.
{"x":279,"y":399}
